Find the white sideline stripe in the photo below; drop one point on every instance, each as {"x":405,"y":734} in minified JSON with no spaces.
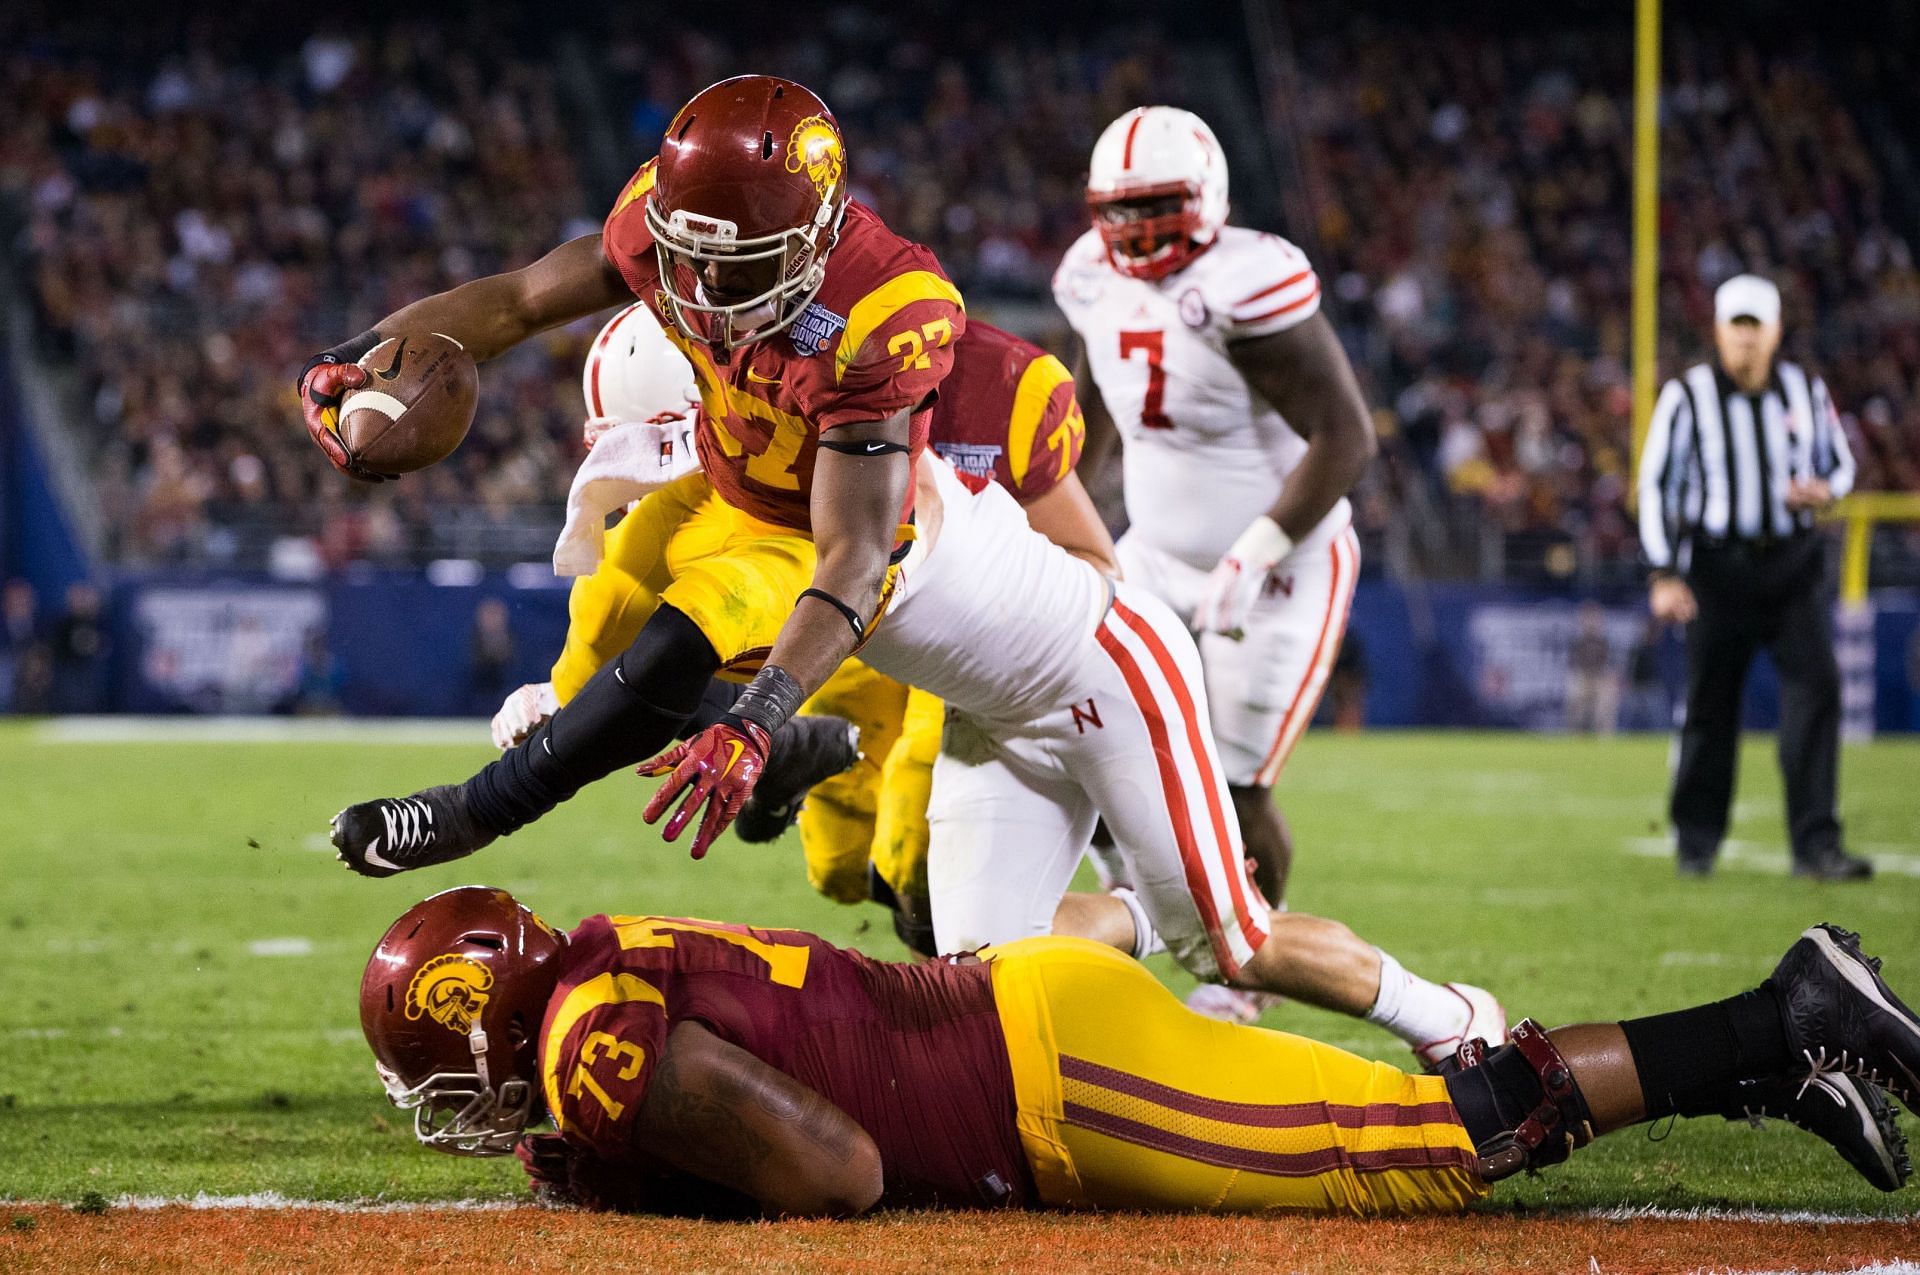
{"x":275,"y":1200}
{"x":1786,"y":1217}
{"x":262,"y":730}
{"x":1891,"y":858}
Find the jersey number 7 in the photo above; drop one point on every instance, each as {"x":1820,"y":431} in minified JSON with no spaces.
{"x":1154,"y":346}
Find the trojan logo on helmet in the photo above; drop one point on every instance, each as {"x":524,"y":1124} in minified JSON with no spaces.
{"x":476,"y":963}
{"x":747,"y":201}
{"x":451,"y":990}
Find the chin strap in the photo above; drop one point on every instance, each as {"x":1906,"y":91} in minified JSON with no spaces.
{"x":1519,"y":1103}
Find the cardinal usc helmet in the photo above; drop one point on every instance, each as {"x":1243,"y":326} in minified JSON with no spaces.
{"x":633,"y":373}
{"x":451,"y":1004}
{"x":1157,"y":187}
{"x":747,"y":201}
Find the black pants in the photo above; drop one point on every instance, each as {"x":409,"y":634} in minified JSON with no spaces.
{"x":1752,"y":597}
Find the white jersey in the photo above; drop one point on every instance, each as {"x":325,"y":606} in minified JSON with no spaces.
{"x":995,"y":619}
{"x":1205,"y":455}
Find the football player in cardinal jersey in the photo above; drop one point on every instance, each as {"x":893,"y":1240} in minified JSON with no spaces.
{"x":1244,"y":429}
{"x":698,"y":1068}
{"x":1006,"y":414}
{"x":818,"y":338}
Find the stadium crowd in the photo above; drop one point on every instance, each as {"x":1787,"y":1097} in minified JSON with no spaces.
{"x":1471,"y":195}
{"x":192,"y":232}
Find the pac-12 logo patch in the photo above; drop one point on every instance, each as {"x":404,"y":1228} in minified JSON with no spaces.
{"x":451,"y":990}
{"x":815,"y":330}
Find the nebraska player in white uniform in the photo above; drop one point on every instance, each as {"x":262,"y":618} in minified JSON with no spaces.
{"x":1244,"y":430}
{"x":1070,"y":697}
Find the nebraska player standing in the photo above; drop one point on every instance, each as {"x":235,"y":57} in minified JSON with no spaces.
{"x":1244,"y":431}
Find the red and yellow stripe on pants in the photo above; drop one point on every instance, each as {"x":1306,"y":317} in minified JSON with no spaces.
{"x":1129,"y":1100}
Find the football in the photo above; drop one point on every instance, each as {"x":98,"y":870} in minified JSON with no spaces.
{"x":416,"y":406}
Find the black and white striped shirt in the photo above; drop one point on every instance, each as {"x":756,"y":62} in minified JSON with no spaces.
{"x":1718,"y":461}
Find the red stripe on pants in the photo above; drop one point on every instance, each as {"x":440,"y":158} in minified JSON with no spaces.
{"x":1176,"y":798}
{"x":1230,"y":858}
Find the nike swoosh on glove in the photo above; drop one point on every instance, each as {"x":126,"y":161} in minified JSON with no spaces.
{"x":717,"y":768}
{"x":1240,"y":578}
{"x":522,"y":713}
{"x":321,"y":391}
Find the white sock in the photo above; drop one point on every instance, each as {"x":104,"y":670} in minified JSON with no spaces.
{"x":1415,"y":1010}
{"x":1146,"y":939}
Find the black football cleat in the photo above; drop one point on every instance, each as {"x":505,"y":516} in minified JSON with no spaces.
{"x":398,"y":834}
{"x":1850,"y":1115}
{"x":1842,"y":1018}
{"x":803,"y":752}
{"x":1838,"y":866}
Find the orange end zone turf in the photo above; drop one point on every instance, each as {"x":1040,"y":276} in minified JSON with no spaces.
{"x":54,"y":1238}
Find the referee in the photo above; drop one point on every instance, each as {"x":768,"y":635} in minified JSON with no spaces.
{"x":1739,"y":455}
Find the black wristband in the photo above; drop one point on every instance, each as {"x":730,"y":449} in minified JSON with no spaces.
{"x":847,"y":613}
{"x":350,"y":351}
{"x":770,"y":699}
{"x":870,"y":447}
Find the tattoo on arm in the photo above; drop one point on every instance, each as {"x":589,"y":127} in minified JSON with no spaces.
{"x":710,"y":1137}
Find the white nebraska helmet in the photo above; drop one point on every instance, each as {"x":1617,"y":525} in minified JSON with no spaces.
{"x":1157,"y":186}
{"x":634,"y":373}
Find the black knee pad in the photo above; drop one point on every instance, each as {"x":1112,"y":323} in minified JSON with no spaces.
{"x":670,"y":666}
{"x":1519,"y":1102}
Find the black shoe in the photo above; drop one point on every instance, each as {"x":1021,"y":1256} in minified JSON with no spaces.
{"x":1838,"y":866}
{"x":398,"y":834}
{"x":804,"y":751}
{"x":1696,"y":867}
{"x":1851,"y":1115}
{"x":1841,"y":1017}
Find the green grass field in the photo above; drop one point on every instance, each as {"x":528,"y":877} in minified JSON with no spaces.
{"x":185,"y":953}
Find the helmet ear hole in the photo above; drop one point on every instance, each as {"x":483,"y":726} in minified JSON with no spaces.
{"x":766,"y":146}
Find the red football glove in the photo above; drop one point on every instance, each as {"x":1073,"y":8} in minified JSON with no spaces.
{"x":321,"y":390}
{"x":719,"y":767}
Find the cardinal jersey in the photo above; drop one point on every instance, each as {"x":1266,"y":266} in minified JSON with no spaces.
{"x":1007,"y":415}
{"x":876,"y":1039}
{"x":1205,"y":455}
{"x":876,"y":339}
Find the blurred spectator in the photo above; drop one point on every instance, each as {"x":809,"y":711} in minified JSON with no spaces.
{"x":1648,"y":705}
{"x":490,"y":664}
{"x":24,"y":660}
{"x":321,"y":679}
{"x":79,"y":650}
{"x":1347,"y":688}
{"x":1593,"y":684}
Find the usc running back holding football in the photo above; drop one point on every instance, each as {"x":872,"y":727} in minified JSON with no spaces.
{"x":818,"y":338}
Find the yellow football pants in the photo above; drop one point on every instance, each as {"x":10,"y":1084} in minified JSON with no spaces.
{"x":876,"y":811}
{"x":1127,"y":1099}
{"x":733,"y":575}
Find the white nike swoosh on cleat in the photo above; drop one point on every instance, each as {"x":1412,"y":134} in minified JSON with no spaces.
{"x":372,"y":855}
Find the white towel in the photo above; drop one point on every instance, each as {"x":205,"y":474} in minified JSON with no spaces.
{"x":627,"y":462}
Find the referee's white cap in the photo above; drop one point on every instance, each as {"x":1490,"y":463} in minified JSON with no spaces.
{"x":1747,"y":296}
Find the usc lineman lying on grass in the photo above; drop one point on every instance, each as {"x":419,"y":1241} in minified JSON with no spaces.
{"x":694,"y":1067}
{"x":819,"y":338}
